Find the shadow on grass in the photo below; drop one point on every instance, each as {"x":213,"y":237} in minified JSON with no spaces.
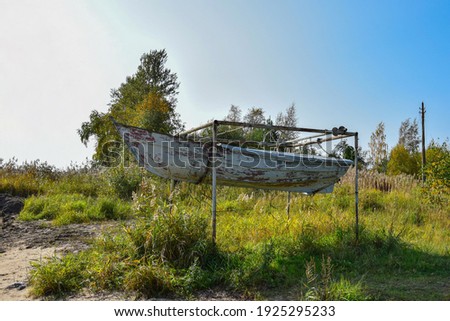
{"x":307,"y":267}
{"x":381,"y":265}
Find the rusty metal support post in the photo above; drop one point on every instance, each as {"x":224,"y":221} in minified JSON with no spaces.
{"x":424,"y":160}
{"x":214,"y":181}
{"x":173,"y":184}
{"x":356,"y":190}
{"x":288,"y":206}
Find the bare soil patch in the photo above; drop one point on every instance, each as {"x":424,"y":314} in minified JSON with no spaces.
{"x":24,"y":242}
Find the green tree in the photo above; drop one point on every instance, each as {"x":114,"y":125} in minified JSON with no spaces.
{"x":345,"y":151}
{"x":409,"y":135}
{"x":234,"y":114}
{"x":404,"y":157}
{"x":146,"y":99}
{"x":437,"y":171}
{"x":289,"y":119}
{"x":233,"y":135}
{"x":255,"y":115}
{"x":378,"y":149}
{"x":401,"y":161}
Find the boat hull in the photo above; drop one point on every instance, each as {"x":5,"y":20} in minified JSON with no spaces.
{"x":173,"y":158}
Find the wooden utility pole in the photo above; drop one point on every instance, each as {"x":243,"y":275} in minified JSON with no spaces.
{"x":356,"y":190}
{"x":424,"y":161}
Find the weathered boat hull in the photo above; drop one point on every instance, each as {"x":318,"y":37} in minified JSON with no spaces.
{"x":173,"y":158}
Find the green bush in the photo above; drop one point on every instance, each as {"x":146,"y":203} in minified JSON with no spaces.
{"x":90,"y":183}
{"x":124,"y":180}
{"x":343,"y":197}
{"x":437,"y":172}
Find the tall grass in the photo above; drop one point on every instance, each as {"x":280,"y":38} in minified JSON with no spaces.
{"x":64,"y":209}
{"x":260,"y":249}
{"x":380,"y":181}
{"x":166,"y":250}
{"x":38,"y":178}
{"x":154,"y":256}
{"x":57,"y":277}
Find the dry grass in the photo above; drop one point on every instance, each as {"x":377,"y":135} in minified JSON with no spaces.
{"x":380,"y":181}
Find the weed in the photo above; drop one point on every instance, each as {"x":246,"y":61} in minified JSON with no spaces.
{"x":344,"y":290}
{"x":323,"y":287}
{"x":318,"y":284}
{"x":124,"y":180}
{"x":176,"y":238}
{"x":58,"y":277}
{"x":149,"y":280}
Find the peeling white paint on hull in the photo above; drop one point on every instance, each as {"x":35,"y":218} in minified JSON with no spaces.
{"x":185,"y":160}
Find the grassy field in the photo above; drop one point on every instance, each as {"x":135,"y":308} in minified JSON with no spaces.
{"x":162,"y":246}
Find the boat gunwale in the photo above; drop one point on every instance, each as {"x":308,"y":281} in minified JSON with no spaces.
{"x":261,"y":152}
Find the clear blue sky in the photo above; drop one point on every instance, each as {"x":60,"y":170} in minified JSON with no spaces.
{"x":351,"y":63}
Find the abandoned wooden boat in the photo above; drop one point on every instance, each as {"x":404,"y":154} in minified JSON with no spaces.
{"x":181,"y":159}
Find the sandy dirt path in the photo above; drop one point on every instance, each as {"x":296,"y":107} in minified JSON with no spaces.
{"x":14,"y":269}
{"x":24,"y":242}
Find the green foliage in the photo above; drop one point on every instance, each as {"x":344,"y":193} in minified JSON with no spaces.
{"x":58,"y":276}
{"x":378,"y":149}
{"x":403,"y":162}
{"x":344,"y":150}
{"x":149,"y":280}
{"x":372,"y":200}
{"x":175,"y":238}
{"x":255,"y":268}
{"x":63,"y":209}
{"x":409,"y":136}
{"x":153,"y":197}
{"x":155,"y":256}
{"x":343,"y":197}
{"x":437,"y":172}
{"x":345,"y":290}
{"x":124,"y":181}
{"x":146,"y":99}
{"x":89,"y":183}
{"x":26,"y":179}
